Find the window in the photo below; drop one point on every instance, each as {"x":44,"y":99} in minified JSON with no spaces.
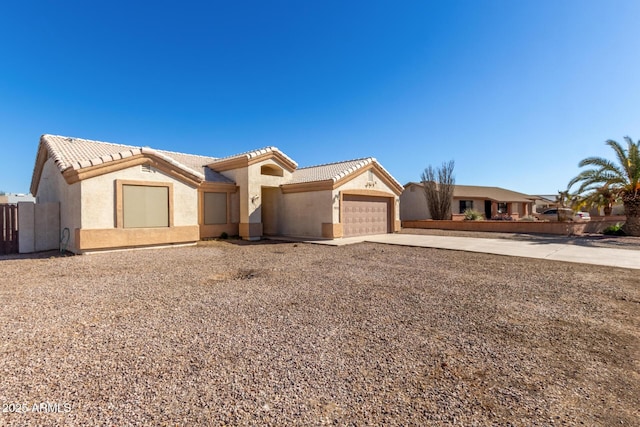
{"x":502,"y":208}
{"x":465,"y":204}
{"x":215,"y":208}
{"x":145,"y":206}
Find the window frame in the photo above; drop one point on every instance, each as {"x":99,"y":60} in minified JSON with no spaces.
{"x":204,"y":207}
{"x":120,"y":183}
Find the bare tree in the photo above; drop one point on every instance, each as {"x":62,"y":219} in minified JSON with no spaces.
{"x":438,"y":187}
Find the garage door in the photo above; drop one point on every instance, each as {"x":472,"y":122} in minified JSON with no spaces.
{"x":364,"y":215}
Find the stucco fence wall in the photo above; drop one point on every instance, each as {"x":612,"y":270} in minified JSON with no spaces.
{"x":596,"y":225}
{"x":39,"y":227}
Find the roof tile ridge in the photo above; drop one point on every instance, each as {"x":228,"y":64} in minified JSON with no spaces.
{"x":57,"y":160}
{"x":249,"y":154}
{"x":359,"y":165}
{"x":336,"y":163}
{"x":257,"y":152}
{"x":187,"y":154}
{"x":72,"y":138}
{"x":149,"y":150}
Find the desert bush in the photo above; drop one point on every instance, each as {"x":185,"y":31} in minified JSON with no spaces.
{"x":614,"y":230}
{"x":502,"y":217}
{"x":438,"y":185}
{"x":473,"y":215}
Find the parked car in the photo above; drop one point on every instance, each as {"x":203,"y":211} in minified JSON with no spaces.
{"x":568,"y":214}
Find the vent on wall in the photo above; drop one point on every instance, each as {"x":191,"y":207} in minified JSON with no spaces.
{"x":146,"y":168}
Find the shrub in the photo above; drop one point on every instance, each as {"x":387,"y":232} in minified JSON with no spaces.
{"x":614,"y":230}
{"x":471,"y":215}
{"x":502,"y":217}
{"x":224,"y":235}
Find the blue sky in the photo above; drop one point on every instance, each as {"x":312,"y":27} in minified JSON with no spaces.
{"x":515,"y":92}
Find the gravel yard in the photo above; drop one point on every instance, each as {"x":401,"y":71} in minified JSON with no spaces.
{"x":226,"y":333}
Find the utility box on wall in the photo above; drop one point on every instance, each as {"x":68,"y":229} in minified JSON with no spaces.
{"x":39,"y":227}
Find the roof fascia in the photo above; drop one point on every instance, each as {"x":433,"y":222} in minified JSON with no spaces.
{"x":390,"y":182}
{"x":75,"y":175}
{"x":308,"y":186}
{"x":219,"y":186}
{"x":41,"y":159}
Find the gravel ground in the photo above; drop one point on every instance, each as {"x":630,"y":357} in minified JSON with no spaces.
{"x":226,"y":333}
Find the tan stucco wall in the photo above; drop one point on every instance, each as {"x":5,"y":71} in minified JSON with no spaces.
{"x":53,"y":188}
{"x":99,"y":197}
{"x":303,"y":214}
{"x":39,"y":227}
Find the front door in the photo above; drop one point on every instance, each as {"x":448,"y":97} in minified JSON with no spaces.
{"x":270,"y":197}
{"x":487,"y":209}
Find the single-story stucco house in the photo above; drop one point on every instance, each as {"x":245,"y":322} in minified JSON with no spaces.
{"x":118,"y":196}
{"x":491,"y":201}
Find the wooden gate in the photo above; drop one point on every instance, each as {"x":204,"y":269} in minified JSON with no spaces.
{"x":9,"y":229}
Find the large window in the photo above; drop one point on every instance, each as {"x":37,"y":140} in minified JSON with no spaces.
{"x":145,"y":206}
{"x":215,"y":208}
{"x":465,"y":204}
{"x":503,"y":208}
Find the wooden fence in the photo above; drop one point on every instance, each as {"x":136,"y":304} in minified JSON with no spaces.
{"x":9,"y":229}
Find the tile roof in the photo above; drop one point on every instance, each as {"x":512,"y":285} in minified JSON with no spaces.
{"x":329,"y":171}
{"x":77,"y":153}
{"x":254,"y":153}
{"x":335,"y":171}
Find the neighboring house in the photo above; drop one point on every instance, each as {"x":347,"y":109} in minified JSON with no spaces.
{"x":544,"y":202}
{"x":114,"y":196}
{"x":491,"y":201}
{"x":14,"y":198}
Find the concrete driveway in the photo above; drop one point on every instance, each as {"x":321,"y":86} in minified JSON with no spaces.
{"x":531,"y":249}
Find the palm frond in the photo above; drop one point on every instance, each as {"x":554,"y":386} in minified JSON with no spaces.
{"x":615,"y":177}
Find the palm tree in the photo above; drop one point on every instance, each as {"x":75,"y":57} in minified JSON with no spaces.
{"x":600,"y":197}
{"x":621,"y":178}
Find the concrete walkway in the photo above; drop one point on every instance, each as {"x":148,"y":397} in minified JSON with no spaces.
{"x":531,"y":249}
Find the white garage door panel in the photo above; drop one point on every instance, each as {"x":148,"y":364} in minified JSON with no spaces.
{"x":365,"y":215}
